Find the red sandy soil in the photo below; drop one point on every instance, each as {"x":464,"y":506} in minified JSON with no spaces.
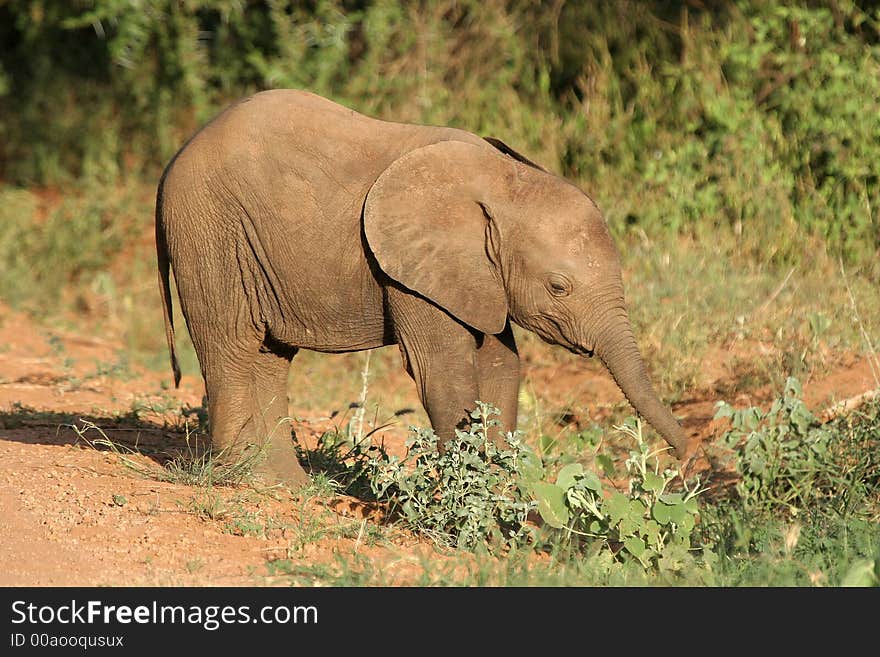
{"x":71,"y":514}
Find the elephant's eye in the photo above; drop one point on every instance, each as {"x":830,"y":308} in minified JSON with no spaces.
{"x":558,"y":285}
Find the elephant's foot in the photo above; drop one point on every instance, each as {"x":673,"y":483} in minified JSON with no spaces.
{"x":279,"y":465}
{"x":274,"y":462}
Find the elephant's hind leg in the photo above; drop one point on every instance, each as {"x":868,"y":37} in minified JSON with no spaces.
{"x":247,"y":410}
{"x":245,"y":374}
{"x":269,"y":376}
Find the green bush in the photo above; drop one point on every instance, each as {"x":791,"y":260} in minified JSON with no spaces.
{"x":468,"y":496}
{"x":648,"y":522}
{"x":477,"y":495}
{"x":471,"y":496}
{"x":746,"y":117}
{"x":788,"y":460}
{"x":752,"y":118}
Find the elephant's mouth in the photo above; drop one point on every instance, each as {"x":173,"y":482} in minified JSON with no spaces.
{"x":552,"y":330}
{"x":579,"y":349}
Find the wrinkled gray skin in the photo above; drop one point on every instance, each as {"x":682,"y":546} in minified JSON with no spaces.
{"x":294,"y":223}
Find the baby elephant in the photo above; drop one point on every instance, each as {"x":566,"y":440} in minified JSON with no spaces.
{"x":292,"y":223}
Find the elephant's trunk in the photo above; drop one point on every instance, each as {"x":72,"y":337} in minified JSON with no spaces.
{"x":617,"y":348}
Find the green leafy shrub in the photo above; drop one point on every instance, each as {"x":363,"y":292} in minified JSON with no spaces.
{"x":648,"y":522}
{"x":469,"y":497}
{"x":743,"y":116}
{"x":478,"y":494}
{"x":466,"y":496}
{"x":788,"y":459}
{"x":749,"y":117}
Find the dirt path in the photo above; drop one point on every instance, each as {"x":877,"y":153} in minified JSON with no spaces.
{"x":71,"y":514}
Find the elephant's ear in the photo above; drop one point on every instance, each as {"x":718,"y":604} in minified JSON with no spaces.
{"x":425,"y":224}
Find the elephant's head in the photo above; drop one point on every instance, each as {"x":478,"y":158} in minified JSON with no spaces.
{"x":486,"y":236}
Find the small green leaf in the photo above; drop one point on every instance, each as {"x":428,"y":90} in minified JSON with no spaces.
{"x":637,"y":509}
{"x":686,"y":524}
{"x":654,"y":482}
{"x":651,"y":532}
{"x":661,"y":513}
{"x":724,"y":410}
{"x":567,"y":475}
{"x":120,"y":500}
{"x":531,"y":467}
{"x":591,"y":480}
{"x":678,"y":514}
{"x":410,"y":513}
{"x":617,"y":507}
{"x":633,"y":518}
{"x":635,"y":546}
{"x":551,"y":503}
{"x":673,"y":558}
{"x":606,"y":464}
{"x":752,"y":418}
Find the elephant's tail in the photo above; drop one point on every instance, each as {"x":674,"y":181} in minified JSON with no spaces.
{"x":164,"y":286}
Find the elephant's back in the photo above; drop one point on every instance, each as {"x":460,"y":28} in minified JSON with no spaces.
{"x":297,"y":164}
{"x":294,"y":128}
{"x":282,"y":176}
{"x":273,"y":185}
{"x":294,"y":162}
{"x":291,"y":130}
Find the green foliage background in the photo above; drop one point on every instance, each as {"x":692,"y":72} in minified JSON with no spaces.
{"x":756,"y":119}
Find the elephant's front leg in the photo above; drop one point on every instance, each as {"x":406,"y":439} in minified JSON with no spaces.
{"x":440,"y":354}
{"x":498,"y":376}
